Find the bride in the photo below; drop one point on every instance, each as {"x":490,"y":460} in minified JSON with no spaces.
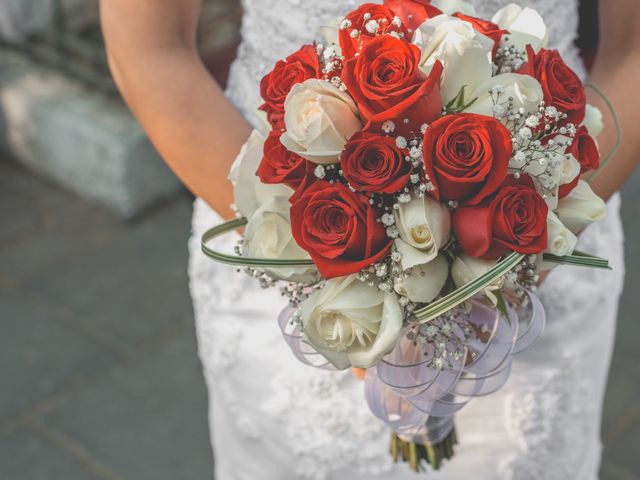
{"x":275,"y":419}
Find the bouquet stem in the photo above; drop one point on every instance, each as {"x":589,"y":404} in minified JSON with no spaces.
{"x":418,"y":455}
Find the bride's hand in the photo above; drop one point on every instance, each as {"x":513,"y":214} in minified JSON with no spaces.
{"x":152,"y":53}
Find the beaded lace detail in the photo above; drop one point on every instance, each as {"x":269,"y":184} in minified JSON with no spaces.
{"x":329,"y":435}
{"x":546,"y":417}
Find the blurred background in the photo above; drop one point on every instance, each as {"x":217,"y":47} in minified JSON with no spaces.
{"x":99,"y":374}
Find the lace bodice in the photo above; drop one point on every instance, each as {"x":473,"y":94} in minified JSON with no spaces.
{"x":543,"y":424}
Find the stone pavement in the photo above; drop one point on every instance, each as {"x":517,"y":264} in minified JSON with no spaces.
{"x":99,"y":375}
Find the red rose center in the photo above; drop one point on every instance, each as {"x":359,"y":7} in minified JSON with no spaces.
{"x":330,"y":223}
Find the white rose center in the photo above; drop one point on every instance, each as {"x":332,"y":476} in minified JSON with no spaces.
{"x":342,"y":333}
{"x":421,"y":234}
{"x":310,"y":112}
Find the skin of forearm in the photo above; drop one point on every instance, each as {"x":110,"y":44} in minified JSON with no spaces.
{"x":615,"y":78}
{"x":616,"y":72}
{"x":194,"y":127}
{"x":183,"y":110}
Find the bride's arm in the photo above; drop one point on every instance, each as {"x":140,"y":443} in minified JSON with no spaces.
{"x":616,"y":72}
{"x":152,"y":52}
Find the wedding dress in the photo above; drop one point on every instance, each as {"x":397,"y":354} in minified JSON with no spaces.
{"x":273,"y":418}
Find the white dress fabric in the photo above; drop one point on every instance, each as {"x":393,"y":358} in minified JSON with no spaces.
{"x":273,"y":418}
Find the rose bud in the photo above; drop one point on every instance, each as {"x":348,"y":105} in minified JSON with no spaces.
{"x":276,"y":85}
{"x":525,"y":26}
{"x":424,"y":228}
{"x":486,"y":28}
{"x":593,"y":120}
{"x":373,"y":163}
{"x":279,"y":165}
{"x":514,"y":219}
{"x":386,"y":83}
{"x":424,"y":282}
{"x":585,"y":150}
{"x":249,"y":192}
{"x":413,"y":13}
{"x":560,"y":240}
{"x":268,"y":235}
{"x":562,"y":88}
{"x":464,"y":52}
{"x":581,"y":208}
{"x":523,"y":91}
{"x":466,"y":156}
{"x":338,"y":228}
{"x":466,"y":269}
{"x":369,"y":20}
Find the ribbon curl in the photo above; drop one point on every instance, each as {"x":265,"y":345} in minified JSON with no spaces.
{"x":417,"y":399}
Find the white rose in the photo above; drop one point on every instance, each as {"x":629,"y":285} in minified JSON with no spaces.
{"x":569,"y":169}
{"x":424,"y":226}
{"x":268,"y":235}
{"x":262,"y":121}
{"x":493,"y":95}
{"x":350,"y":323}
{"x":581,"y":208}
{"x":249,"y":192}
{"x":465,"y":269}
{"x":464,"y":53}
{"x":525,"y":25}
{"x":561,"y":240}
{"x":455,"y":6}
{"x":424,"y":282}
{"x":593,"y":121}
{"x":319,"y":119}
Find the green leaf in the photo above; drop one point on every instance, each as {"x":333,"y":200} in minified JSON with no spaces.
{"x":458,"y":104}
{"x":578,"y":259}
{"x":243,"y":261}
{"x":455,"y":298}
{"x":502,"y":304}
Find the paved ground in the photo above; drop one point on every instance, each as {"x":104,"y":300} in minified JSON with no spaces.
{"x":99,"y":376}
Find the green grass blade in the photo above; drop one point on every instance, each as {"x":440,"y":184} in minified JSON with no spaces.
{"x":578,"y":259}
{"x":243,"y":261}
{"x":460,"y":295}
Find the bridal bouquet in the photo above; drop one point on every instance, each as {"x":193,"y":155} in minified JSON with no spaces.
{"x":422,"y":166}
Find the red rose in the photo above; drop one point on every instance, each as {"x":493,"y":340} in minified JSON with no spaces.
{"x":485,"y":27}
{"x":386,"y":84}
{"x":373,"y":163}
{"x":338,"y":228}
{"x":466,"y":156}
{"x":308,"y":179}
{"x":352,"y":43}
{"x":413,"y":13}
{"x":276,"y":85}
{"x":514,"y":219}
{"x":585,"y":149}
{"x":561,"y":86}
{"x":279,"y":165}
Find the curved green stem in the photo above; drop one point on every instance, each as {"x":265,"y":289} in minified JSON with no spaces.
{"x":616,"y":122}
{"x":237,"y":260}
